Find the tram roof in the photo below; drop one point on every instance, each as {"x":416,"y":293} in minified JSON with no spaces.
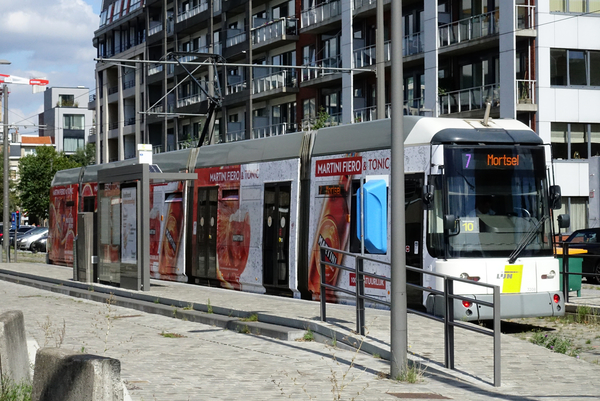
{"x":420,"y":131}
{"x":66,"y":177}
{"x":279,"y":147}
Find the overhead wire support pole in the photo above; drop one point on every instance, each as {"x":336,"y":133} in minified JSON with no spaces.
{"x":398,"y":329}
{"x":5,"y":214}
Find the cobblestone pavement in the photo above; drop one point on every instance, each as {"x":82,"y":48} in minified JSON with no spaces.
{"x":171,"y":359}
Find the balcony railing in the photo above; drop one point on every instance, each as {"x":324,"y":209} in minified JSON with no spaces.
{"x":182,"y":16}
{"x":526,"y":91}
{"x":370,"y":113}
{"x":155,"y":70}
{"x":321,"y":13}
{"x":525,"y":17}
{"x":309,"y":123}
{"x":274,"y":29}
{"x":113,"y":89}
{"x":155,"y":29}
{"x":412,"y":44}
{"x":235,"y":136}
{"x":273,"y":130}
{"x":359,"y":3}
{"x":236,"y":39}
{"x":157,"y":109}
{"x":322,"y":70}
{"x":135,"y":4}
{"x":216,"y":6}
{"x":113,"y":125}
{"x":130,"y":121}
{"x":236,"y":87}
{"x":273,"y":81}
{"x":92,"y":98}
{"x":469,"y":99}
{"x":367,"y":56}
{"x":468,"y":29}
{"x":129,"y":84}
{"x":192,"y":99}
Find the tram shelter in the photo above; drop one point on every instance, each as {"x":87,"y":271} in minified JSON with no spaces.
{"x":123,"y":223}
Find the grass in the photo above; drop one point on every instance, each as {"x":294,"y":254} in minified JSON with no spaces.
{"x":252,"y":318}
{"x":554,"y":343}
{"x":11,"y":391}
{"x":209,"y":308}
{"x":308,"y":336}
{"x":172,"y":335}
{"x":410,"y":374}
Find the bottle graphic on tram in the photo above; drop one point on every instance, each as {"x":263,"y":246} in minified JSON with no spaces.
{"x":333,"y":230}
{"x":171,"y":238}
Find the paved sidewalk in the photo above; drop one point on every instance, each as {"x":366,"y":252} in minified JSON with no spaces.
{"x":528,"y":371}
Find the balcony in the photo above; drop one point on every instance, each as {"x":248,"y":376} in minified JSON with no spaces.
{"x":332,"y":120}
{"x":129,"y":84}
{"x":526,"y":100}
{"x":525,"y":16}
{"x":361,"y":3}
{"x":189,"y":100}
{"x":321,"y":68}
{"x":235,"y":136}
{"x":182,"y":16}
{"x":155,"y":70}
{"x":320,"y":13}
{"x":469,"y":99}
{"x":235,"y":86}
{"x":468,"y":29}
{"x":278,"y":80}
{"x":235,"y":37}
{"x":367,"y":56}
{"x":370,"y":113}
{"x":273,"y":130}
{"x":275,"y":31}
{"x":155,"y":29}
{"x":412,"y":44}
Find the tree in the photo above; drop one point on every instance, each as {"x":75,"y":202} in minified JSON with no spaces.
{"x":36,"y":173}
{"x":12,"y":196}
{"x":85,"y":156}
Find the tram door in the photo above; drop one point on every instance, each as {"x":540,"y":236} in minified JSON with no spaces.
{"x":413,"y":190}
{"x":207,"y":233}
{"x":276,"y":235}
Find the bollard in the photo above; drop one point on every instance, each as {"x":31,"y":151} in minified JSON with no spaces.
{"x":14,"y":360}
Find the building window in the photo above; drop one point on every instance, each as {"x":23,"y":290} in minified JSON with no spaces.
{"x":66,"y":101}
{"x":73,"y":121}
{"x":575,"y":140}
{"x":574,"y":67}
{"x":72,"y":144}
{"x":575,"y":6}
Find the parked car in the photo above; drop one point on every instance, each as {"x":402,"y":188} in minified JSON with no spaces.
{"x":39,"y":245}
{"x":21,"y":230}
{"x":24,"y":242}
{"x":589,"y":240}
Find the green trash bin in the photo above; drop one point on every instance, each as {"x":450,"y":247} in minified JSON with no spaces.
{"x":575,"y":266}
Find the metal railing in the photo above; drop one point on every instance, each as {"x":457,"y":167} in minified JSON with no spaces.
{"x":323,"y":64}
{"x":182,"y":16}
{"x":234,"y":136}
{"x":235,"y":88}
{"x":447,"y":293}
{"x":235,"y":39}
{"x":273,"y":130}
{"x":155,"y":70}
{"x":526,"y":91}
{"x":469,"y":99}
{"x":467,"y":29}
{"x":525,"y":16}
{"x":155,"y":29}
{"x":359,"y":3}
{"x":367,"y":56}
{"x":333,"y":120}
{"x":274,"y":29}
{"x":273,"y":81}
{"x":320,"y":13}
{"x":192,"y":99}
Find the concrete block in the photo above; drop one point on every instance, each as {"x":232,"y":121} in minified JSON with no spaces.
{"x":14,"y":360}
{"x":62,"y":375}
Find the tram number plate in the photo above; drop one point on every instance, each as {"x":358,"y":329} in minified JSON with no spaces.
{"x":469,"y":225}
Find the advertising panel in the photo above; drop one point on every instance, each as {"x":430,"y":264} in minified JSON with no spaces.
{"x":334,"y":182}
{"x":63,"y":219}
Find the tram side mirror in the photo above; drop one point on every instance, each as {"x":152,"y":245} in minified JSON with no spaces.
{"x":564,"y":221}
{"x":555,"y":197}
{"x":450,"y":223}
{"x":428,"y":196}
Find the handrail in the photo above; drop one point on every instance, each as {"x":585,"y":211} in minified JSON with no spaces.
{"x":448,"y":294}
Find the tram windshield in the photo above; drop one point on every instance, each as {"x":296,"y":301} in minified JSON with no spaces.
{"x":498,"y":198}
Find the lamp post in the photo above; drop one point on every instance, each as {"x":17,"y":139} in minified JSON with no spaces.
{"x":5,"y":218}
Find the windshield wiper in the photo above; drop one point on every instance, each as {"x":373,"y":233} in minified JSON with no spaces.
{"x":526,"y":240}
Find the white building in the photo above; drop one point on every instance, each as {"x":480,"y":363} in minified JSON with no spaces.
{"x":66,"y":117}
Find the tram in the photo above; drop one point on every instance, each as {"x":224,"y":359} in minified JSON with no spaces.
{"x":478,"y":206}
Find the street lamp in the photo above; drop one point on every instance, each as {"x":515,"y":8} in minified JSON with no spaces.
{"x":5,"y":218}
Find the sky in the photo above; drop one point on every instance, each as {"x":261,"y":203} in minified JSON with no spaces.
{"x":49,"y":39}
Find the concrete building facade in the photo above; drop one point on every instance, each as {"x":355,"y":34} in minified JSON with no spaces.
{"x":459,"y":55}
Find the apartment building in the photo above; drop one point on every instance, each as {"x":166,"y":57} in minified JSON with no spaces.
{"x":66,"y":118}
{"x":534,"y":61}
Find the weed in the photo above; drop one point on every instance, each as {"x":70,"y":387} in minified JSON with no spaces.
{"x":189,"y":307}
{"x":51,"y":333}
{"x":308,"y":336}
{"x":252,"y":318}
{"x":209,"y":308}
{"x":554,"y":342}
{"x":172,"y":335}
{"x":410,"y":374}
{"x":588,"y":341}
{"x":157,"y":301}
{"x":376,"y":356}
{"x":174,"y":311}
{"x":245,"y":330}
{"x":11,"y":391}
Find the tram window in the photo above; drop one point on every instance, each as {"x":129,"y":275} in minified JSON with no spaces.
{"x":89,"y":204}
{"x":230,"y":194}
